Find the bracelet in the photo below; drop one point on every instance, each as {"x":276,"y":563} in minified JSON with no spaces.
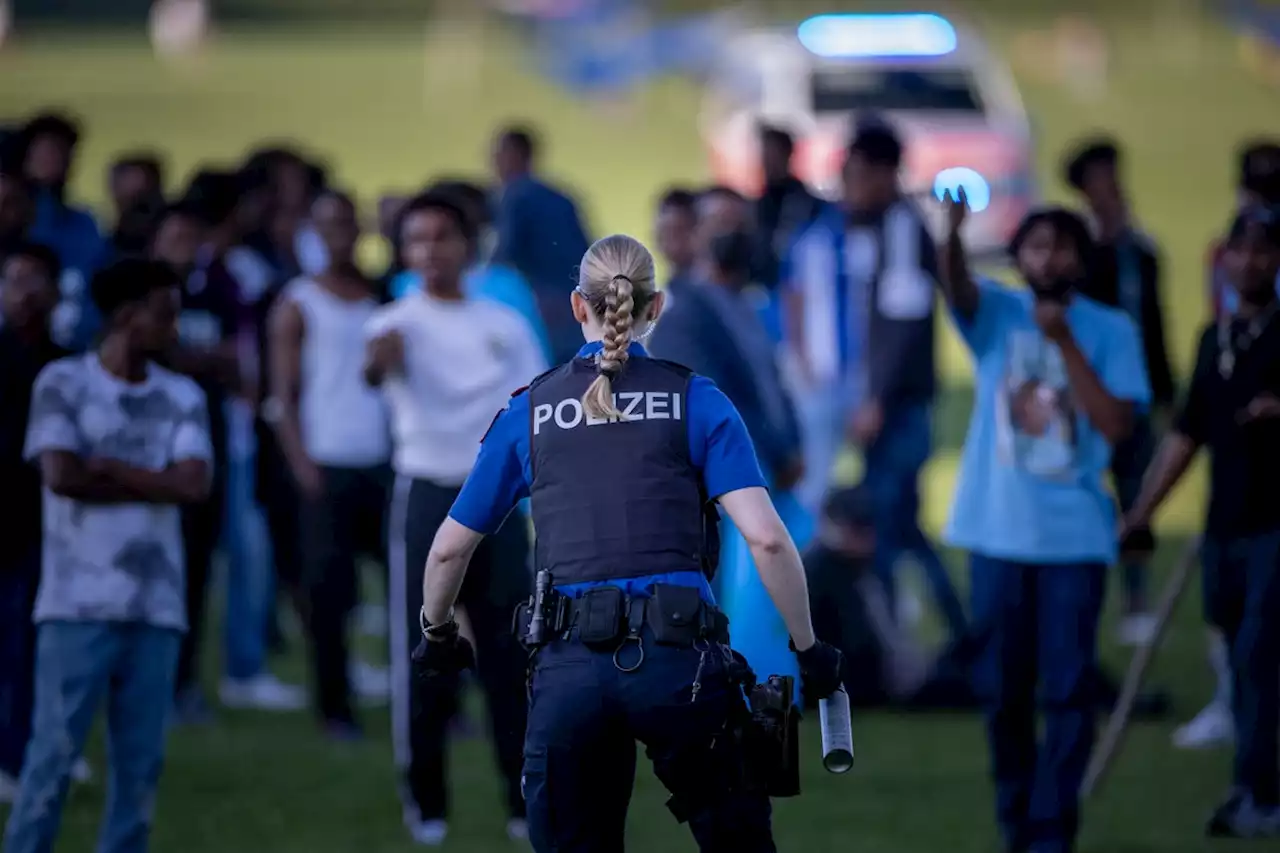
{"x":448,"y":626}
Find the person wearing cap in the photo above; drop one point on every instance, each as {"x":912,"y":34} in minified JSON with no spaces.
{"x":1059,"y":380}
{"x":860,"y":280}
{"x":1233,"y":408}
{"x":49,"y":147}
{"x":1124,"y":272}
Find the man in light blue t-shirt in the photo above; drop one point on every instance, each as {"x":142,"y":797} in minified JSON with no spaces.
{"x":1059,"y":380}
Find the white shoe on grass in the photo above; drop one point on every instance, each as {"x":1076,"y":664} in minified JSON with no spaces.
{"x":430,"y":833}
{"x":262,"y":692}
{"x":518,"y":829}
{"x":1213,"y":726}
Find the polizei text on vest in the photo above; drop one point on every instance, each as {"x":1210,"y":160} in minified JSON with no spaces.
{"x":634,"y":405}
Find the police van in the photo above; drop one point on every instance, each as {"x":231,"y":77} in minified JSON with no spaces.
{"x":956,"y":106}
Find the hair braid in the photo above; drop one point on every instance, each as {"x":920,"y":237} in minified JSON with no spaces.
{"x":618,"y":318}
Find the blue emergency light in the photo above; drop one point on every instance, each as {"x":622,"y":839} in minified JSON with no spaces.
{"x":853,"y":36}
{"x":977,"y":191}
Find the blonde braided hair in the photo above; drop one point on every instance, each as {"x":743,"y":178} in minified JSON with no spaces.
{"x":617,"y":280}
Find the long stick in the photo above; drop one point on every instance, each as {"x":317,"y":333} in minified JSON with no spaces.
{"x":1117,"y":724}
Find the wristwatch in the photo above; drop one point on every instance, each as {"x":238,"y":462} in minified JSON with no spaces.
{"x":443,"y":631}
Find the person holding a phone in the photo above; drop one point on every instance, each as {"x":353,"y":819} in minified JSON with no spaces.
{"x":1059,"y":380}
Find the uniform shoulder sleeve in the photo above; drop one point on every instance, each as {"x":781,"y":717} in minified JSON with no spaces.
{"x":498,"y":480}
{"x":719,"y":443}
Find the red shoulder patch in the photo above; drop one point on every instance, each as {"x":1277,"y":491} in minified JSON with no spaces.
{"x":489,"y":429}
{"x":519,"y":391}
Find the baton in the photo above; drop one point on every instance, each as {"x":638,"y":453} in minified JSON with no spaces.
{"x":1117,"y":724}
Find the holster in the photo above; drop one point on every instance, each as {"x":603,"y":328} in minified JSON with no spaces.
{"x":771,"y":737}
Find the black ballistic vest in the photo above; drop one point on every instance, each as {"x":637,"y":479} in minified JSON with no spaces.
{"x":619,"y":499}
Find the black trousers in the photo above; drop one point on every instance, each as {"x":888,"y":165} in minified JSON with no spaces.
{"x":343,"y":523}
{"x":497,"y":581}
{"x":201,"y":532}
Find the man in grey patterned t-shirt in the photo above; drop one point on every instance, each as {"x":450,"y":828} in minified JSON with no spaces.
{"x":121,"y":444}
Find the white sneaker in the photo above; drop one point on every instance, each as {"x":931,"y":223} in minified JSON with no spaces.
{"x":263,"y":692}
{"x":8,"y":788}
{"x":1137,"y":629}
{"x":372,"y":684}
{"x":518,"y":829}
{"x":1212,"y":727}
{"x":81,"y":772}
{"x":430,"y":833}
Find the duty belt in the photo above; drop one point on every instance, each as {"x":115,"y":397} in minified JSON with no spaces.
{"x":606,"y":617}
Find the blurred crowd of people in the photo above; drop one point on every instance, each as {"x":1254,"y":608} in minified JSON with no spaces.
{"x":212,"y":372}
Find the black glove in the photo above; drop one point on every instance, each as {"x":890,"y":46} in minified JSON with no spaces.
{"x":442,"y":660}
{"x":821,"y":670}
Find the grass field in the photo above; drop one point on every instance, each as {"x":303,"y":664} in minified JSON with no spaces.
{"x":389,"y":109}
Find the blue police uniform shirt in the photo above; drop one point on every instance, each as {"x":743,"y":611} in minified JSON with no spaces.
{"x":1031,"y":486}
{"x":719,"y":447}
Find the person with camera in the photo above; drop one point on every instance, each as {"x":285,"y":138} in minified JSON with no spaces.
{"x":1059,"y":380}
{"x":624,"y":458}
{"x":1233,"y":408}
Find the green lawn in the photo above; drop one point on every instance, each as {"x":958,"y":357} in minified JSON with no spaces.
{"x":391,"y":108}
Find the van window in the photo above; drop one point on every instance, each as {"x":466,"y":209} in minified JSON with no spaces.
{"x":838,"y":90}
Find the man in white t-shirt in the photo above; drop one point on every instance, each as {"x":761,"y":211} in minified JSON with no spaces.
{"x":447,"y":365}
{"x":121,"y":444}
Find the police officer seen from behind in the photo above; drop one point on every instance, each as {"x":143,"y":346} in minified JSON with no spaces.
{"x":623,"y":457}
{"x":1233,"y":408}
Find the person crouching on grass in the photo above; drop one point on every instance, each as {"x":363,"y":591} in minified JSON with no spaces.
{"x":1233,"y":408}
{"x":121,"y":443}
{"x":1059,"y":380}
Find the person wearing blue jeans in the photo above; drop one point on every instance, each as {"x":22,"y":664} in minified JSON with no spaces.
{"x":131,"y":665}
{"x":1233,"y":408}
{"x":1059,"y":379}
{"x":892,"y":475}
{"x":120,"y":442}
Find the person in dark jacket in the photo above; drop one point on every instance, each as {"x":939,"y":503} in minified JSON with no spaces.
{"x":712,"y":329}
{"x":785,"y":207}
{"x":50,"y":141}
{"x":28,"y":295}
{"x":860,"y":293}
{"x":540,"y":234}
{"x":1124,"y":272}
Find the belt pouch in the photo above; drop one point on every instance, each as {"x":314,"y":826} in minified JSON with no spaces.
{"x":600,"y":613}
{"x":675,"y":614}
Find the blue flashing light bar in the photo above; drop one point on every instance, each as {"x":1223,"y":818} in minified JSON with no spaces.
{"x":853,"y":36}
